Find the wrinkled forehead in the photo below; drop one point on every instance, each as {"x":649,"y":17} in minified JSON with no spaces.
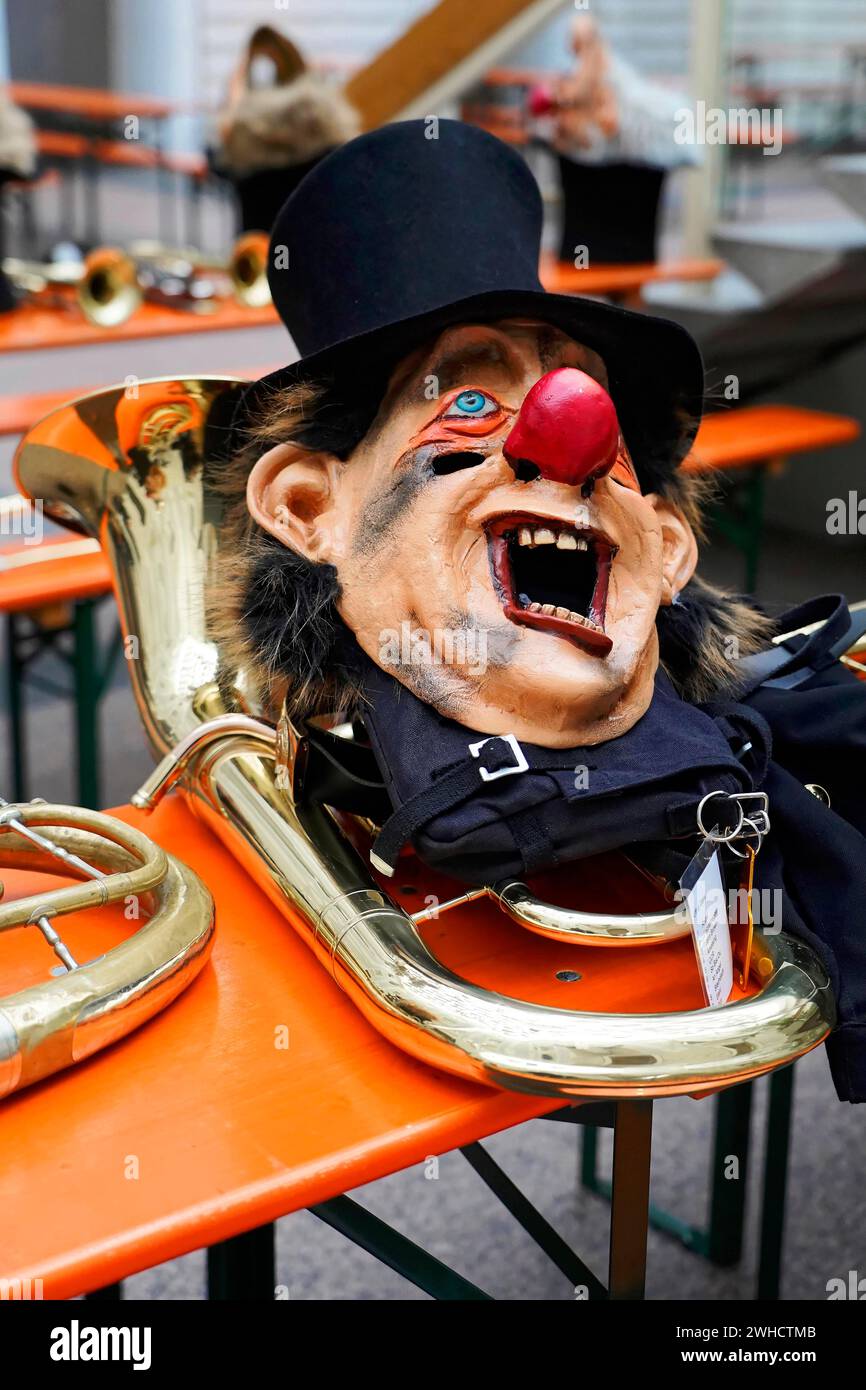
{"x":515,"y":350}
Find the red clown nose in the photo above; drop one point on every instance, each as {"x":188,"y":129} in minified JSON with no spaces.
{"x":567,"y":428}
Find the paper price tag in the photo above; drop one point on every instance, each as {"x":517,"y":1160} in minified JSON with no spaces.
{"x":703,"y":894}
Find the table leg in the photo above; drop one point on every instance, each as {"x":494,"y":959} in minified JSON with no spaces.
{"x":541,"y":1231}
{"x":589,"y":1159}
{"x":629,"y":1205}
{"x":728,"y":1200}
{"x":775,"y":1182}
{"x":17,"y":729}
{"x":243,"y":1267}
{"x":86,"y":678}
{"x":396,"y":1251}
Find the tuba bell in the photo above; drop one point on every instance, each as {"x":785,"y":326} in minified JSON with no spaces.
{"x":141,"y":477}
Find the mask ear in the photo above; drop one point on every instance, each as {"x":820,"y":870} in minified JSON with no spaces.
{"x":291,"y":493}
{"x":680,"y":548}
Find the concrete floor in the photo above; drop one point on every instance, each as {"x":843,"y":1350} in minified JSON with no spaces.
{"x":454,"y":1216}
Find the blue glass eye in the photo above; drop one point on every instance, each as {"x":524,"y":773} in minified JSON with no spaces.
{"x":472,"y":403}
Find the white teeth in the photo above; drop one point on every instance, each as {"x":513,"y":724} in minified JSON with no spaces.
{"x":563,"y":540}
{"x":543,"y":535}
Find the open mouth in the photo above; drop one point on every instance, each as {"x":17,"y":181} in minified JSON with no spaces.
{"x":552,"y":576}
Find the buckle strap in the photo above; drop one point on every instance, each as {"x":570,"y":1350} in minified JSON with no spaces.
{"x":787,"y":667}
{"x":499,"y":769}
{"x":446,"y":792}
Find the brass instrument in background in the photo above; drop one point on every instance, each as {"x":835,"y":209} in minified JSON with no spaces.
{"x":55,"y":1023}
{"x":109,"y":285}
{"x":139,"y":476}
{"x":104,"y":285}
{"x":182,"y":278}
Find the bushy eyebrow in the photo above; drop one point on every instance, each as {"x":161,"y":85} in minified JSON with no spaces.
{"x":451,"y":365}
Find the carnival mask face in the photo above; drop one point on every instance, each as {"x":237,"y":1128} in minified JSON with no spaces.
{"x":511,"y":588}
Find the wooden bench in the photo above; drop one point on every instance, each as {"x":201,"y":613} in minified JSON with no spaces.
{"x":748,"y":443}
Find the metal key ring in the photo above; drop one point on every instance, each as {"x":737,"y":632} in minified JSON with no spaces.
{"x":714,"y":835}
{"x":743,"y":854}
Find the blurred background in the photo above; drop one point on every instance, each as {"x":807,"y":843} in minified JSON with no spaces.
{"x":704,"y":160}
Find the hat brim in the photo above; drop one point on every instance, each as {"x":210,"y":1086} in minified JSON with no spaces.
{"x":655,"y":371}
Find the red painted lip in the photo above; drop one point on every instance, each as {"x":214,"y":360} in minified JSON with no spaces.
{"x":592,"y":641}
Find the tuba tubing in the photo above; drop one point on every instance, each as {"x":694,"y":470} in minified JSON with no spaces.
{"x":53,"y":1024}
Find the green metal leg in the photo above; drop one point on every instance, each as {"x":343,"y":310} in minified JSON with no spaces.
{"x":87,"y":687}
{"x":775,"y":1182}
{"x":741,"y":521}
{"x":396,"y":1250}
{"x":17,"y":730}
{"x":724,"y":1241}
{"x":589,"y":1158}
{"x":754,"y":528}
{"x":244,"y":1267}
{"x":544,"y":1235}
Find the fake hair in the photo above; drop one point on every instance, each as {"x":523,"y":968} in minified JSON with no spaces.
{"x":272,"y":611}
{"x":275,"y":615}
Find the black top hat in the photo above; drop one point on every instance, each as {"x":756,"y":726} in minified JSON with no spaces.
{"x":423,"y":224}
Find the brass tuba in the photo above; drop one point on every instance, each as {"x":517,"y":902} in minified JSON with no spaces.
{"x":138,"y":475}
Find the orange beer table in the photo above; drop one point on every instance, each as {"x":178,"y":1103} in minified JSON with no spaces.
{"x":32,"y":326}
{"x":227,"y":1129}
{"x":622,"y":281}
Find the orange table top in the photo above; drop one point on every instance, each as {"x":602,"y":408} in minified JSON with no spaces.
{"x":229,"y":1130}
{"x":44,"y":579}
{"x":32,"y":326}
{"x":94,"y":103}
{"x":559,"y":277}
{"x":761,"y":433}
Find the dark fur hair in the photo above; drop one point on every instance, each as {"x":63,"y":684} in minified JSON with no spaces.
{"x":274,"y":612}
